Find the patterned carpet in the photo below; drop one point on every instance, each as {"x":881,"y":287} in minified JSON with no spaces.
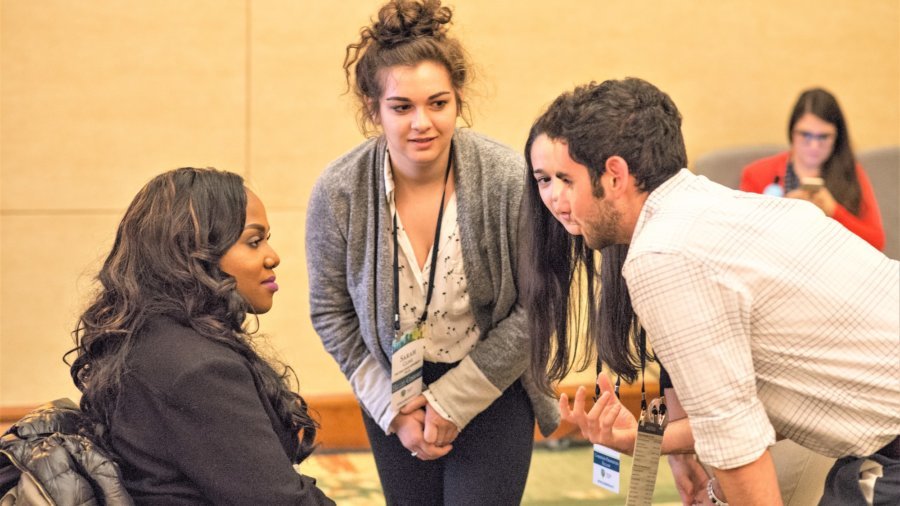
{"x":558,"y":477}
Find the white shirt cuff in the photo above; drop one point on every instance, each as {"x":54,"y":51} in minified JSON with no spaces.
{"x":733,"y":441}
{"x":462,"y":393}
{"x":372,"y":386}
{"x":437,"y":407}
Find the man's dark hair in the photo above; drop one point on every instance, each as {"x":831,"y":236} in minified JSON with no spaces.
{"x":630,"y":118}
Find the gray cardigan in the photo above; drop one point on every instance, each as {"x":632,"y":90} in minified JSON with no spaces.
{"x":348,"y":249}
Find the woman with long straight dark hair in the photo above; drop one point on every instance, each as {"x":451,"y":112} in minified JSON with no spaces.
{"x":820,"y":167}
{"x":167,"y":368}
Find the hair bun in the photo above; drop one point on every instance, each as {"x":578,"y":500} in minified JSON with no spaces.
{"x":403,"y":20}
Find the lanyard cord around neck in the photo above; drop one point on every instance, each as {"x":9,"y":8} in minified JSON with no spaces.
{"x":642,"y":340}
{"x":642,"y":345}
{"x":434,"y":254}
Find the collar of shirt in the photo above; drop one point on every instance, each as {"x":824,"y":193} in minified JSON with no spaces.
{"x":407,"y":256}
{"x":656,"y":198}
{"x":389,"y":180}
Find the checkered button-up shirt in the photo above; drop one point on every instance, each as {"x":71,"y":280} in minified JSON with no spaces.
{"x":770,"y":317}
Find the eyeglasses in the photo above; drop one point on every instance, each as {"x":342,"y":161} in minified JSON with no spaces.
{"x":809,"y":137}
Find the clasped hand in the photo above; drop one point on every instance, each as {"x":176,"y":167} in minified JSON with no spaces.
{"x":423,"y":431}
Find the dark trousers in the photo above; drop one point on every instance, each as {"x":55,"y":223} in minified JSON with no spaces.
{"x":488,"y":464}
{"x":842,"y":484}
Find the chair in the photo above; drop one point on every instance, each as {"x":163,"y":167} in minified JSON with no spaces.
{"x":724,"y":166}
{"x":882,"y":165}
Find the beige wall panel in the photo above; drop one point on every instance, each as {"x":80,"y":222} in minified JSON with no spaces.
{"x":48,"y":266}
{"x":733,"y":68}
{"x":301,"y":118}
{"x":101,"y":95}
{"x":98,"y":96}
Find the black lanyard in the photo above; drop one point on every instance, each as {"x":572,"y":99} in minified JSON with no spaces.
{"x":434,"y":254}
{"x":643,"y":349}
{"x":642,"y":336}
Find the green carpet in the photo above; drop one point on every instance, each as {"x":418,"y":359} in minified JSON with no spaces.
{"x":558,"y":477}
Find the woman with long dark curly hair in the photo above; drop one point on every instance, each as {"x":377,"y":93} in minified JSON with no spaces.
{"x":165,"y":363}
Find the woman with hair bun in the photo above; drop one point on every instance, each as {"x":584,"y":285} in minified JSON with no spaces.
{"x":412,"y":246}
{"x":168,"y":372}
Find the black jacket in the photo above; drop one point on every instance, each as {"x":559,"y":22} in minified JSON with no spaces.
{"x":44,"y":461}
{"x":192,"y":427}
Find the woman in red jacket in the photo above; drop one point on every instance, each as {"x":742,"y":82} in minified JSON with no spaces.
{"x":820,"y":148}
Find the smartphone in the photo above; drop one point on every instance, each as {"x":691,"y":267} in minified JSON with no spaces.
{"x":811,"y":184}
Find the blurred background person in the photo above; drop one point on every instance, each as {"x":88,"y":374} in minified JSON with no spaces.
{"x":820,"y":168}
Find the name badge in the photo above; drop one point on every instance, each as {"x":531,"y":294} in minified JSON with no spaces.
{"x":606,"y":468}
{"x":406,"y":366}
{"x":647,"y":448}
